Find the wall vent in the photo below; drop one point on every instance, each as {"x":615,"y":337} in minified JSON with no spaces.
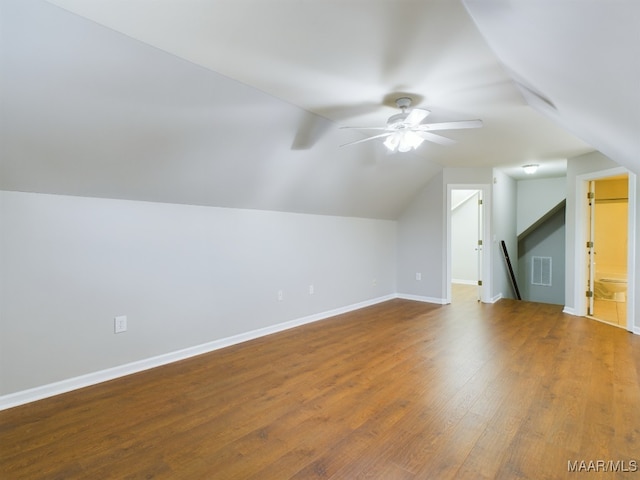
{"x":541,"y":271}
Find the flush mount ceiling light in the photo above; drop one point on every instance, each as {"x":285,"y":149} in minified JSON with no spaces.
{"x":405,"y":131}
{"x":531,"y":168}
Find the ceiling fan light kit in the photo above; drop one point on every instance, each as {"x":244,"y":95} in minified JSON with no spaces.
{"x":405,"y":132}
{"x":403,"y":141}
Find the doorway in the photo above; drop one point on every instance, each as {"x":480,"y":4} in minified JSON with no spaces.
{"x":586,"y":263}
{"x":607,"y":247}
{"x":467,"y":261}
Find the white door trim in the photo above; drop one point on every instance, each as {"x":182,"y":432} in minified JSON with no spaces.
{"x":485,"y":275}
{"x":581,"y":236}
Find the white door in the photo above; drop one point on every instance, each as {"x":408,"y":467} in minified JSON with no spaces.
{"x":480,"y":241}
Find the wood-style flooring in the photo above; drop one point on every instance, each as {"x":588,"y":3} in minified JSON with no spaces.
{"x":399,"y":390}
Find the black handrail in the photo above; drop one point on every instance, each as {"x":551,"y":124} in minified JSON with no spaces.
{"x":514,"y":282}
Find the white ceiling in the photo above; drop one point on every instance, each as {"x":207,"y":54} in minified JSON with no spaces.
{"x":238,"y":103}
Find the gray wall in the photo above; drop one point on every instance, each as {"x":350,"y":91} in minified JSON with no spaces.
{"x":187,"y":275}
{"x":184,"y":276}
{"x":536,"y":197}
{"x":545,"y":241}
{"x":422,"y":235}
{"x":504,"y":228}
{"x":482,"y":179}
{"x":421,"y":244}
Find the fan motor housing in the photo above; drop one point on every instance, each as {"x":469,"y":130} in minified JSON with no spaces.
{"x":403,"y":102}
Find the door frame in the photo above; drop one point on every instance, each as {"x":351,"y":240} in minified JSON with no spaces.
{"x":582,"y":234}
{"x":485,"y":252}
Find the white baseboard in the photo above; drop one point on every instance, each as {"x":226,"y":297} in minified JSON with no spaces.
{"x":496,"y":298}
{"x":570,"y":311}
{"x":67,"y":385}
{"x":420,"y":298}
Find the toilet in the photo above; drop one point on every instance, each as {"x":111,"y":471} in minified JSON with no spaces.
{"x":611,"y":287}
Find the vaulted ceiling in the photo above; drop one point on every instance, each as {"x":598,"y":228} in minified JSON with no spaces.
{"x":238,"y":103}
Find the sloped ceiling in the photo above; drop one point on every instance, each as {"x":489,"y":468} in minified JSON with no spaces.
{"x":577,"y":63}
{"x":239,"y":103}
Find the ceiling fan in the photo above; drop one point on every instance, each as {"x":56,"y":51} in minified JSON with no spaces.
{"x":404,"y":131}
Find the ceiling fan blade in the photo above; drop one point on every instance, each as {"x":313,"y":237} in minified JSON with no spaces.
{"x":416,"y":115}
{"x":367,"y":139}
{"x":449,"y":125}
{"x":367,"y":128}
{"x":432,"y":137}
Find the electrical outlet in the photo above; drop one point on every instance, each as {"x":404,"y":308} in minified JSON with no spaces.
{"x":120,"y":324}
{"x":418,"y":276}
{"x":280,"y":295}
{"x":311,"y":290}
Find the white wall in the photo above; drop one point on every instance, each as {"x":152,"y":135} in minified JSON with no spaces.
{"x":184,"y":276}
{"x":536,"y":197}
{"x":467,"y":176}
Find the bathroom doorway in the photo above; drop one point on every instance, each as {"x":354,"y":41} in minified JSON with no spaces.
{"x":607,"y":247}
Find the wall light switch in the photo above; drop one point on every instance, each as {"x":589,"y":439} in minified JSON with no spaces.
{"x":120,"y":324}
{"x":418,"y":276}
{"x":311,"y":290}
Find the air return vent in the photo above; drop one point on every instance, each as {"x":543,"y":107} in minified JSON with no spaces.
{"x":541,"y":271}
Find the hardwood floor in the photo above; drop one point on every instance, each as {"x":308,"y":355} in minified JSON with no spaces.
{"x":400,"y":390}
